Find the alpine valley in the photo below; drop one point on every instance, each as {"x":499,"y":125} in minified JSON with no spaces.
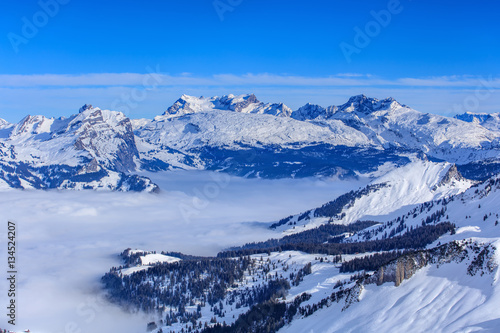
{"x":412,"y":247}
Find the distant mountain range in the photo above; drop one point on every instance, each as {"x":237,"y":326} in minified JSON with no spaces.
{"x":102,"y":149}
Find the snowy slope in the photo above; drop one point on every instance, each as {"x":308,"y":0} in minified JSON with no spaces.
{"x":102,"y":136}
{"x":435,"y":299}
{"x":490,"y":121}
{"x":242,"y":103}
{"x":94,"y":149}
{"x":449,"y":286}
{"x":236,"y":123}
{"x":392,"y":192}
{"x":391,"y":123}
{"x":449,"y":297}
{"x":222,"y":128}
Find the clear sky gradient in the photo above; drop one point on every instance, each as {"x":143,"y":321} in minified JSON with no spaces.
{"x":436,"y":56}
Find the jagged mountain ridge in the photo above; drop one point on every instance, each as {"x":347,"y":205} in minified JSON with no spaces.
{"x":362,"y":127}
{"x":488,"y":120}
{"x":94,"y":149}
{"x":412,"y":184}
{"x":245,"y":137}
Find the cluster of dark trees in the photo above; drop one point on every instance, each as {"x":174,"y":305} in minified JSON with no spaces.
{"x":339,"y":295}
{"x":171,"y":287}
{"x":400,"y":221}
{"x":130,"y":258}
{"x":176,"y":284}
{"x":334,"y":208}
{"x":265,"y":317}
{"x":299,"y":277}
{"x":413,"y":239}
{"x":275,"y":287}
{"x":321,"y":234}
{"x":371,"y":262}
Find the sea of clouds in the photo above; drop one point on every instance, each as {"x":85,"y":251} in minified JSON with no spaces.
{"x":66,"y":240}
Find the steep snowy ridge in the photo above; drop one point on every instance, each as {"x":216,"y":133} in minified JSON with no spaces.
{"x":4,"y":123}
{"x":429,"y":293}
{"x":92,"y":149}
{"x":490,"y":121}
{"x":246,"y":137}
{"x":445,"y":296}
{"x":365,"y":105}
{"x":386,"y":196}
{"x":242,"y":104}
{"x":388,"y":123}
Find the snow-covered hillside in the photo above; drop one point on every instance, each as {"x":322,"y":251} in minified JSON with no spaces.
{"x":94,"y":149}
{"x":448,"y":283}
{"x":438,"y":298}
{"x":455,"y":296}
{"x":487,"y":120}
{"x":387,"y":195}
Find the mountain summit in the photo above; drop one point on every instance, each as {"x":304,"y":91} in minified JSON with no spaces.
{"x":241,"y":103}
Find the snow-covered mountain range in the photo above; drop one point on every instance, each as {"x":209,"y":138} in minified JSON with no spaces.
{"x":240,"y":135}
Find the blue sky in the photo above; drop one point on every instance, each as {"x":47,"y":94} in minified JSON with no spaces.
{"x":436,"y":56}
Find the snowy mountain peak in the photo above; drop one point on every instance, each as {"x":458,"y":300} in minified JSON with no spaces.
{"x":189,"y":104}
{"x":32,"y":125}
{"x":4,"y":123}
{"x":490,"y":121}
{"x":368,"y":105}
{"x":247,"y":103}
{"x":471,"y":117}
{"x":237,"y":103}
{"x":277,"y":109}
{"x":85,"y":107}
{"x":309,"y":111}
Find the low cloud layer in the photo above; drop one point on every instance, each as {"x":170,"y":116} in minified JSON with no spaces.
{"x":68,"y":240}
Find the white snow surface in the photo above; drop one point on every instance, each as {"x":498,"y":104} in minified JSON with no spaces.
{"x":149,"y":260}
{"x":438,"y":298}
{"x":435,"y":299}
{"x":404,"y":187}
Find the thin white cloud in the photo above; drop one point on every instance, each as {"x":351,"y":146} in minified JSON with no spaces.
{"x":148,"y":95}
{"x":154,"y":77}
